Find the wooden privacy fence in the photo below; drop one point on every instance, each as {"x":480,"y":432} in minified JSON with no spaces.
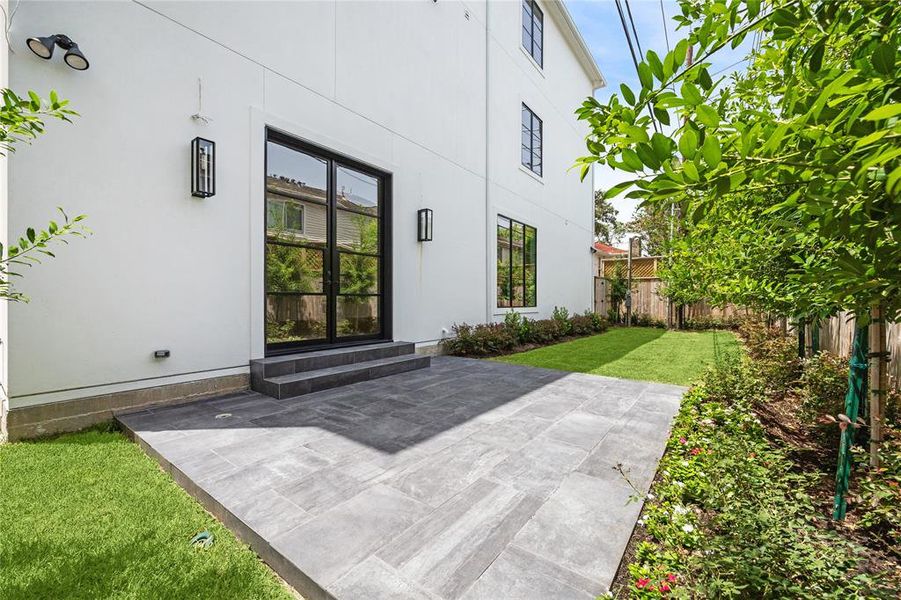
{"x":837,"y":334}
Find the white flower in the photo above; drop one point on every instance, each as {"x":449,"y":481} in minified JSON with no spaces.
{"x":679,"y":483}
{"x":679,"y":509}
{"x":650,"y":496}
{"x":688,"y":528}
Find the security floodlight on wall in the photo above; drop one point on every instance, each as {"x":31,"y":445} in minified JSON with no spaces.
{"x":203,"y":168}
{"x":43,"y":47}
{"x":424,"y":228}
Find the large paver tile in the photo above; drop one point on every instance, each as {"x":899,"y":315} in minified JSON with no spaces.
{"x":539,"y":467}
{"x":584,"y":526}
{"x":334,"y":542}
{"x":581,"y":428}
{"x":520,"y":575}
{"x":440,"y":476}
{"x":450,"y":548}
{"x":373,"y":579}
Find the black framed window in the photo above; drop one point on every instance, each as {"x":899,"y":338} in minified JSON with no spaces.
{"x":533,"y":30}
{"x":532,"y":133}
{"x":517,"y":272}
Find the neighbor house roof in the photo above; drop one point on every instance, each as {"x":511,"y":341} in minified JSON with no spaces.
{"x":564,"y":20}
{"x":607,"y":249}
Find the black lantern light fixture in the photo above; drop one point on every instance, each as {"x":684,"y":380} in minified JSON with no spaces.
{"x":203,"y":168}
{"x":44,"y":46}
{"x":424,"y":225}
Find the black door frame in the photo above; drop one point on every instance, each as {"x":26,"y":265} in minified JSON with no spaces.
{"x":330,"y":270}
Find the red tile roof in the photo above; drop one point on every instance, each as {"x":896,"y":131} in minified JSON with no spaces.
{"x":605,"y":249}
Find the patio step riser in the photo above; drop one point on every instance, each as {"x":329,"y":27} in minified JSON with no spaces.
{"x":312,"y":361}
{"x":299,"y":374}
{"x":315,"y":383}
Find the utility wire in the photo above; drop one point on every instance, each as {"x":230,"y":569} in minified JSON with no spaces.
{"x":634,"y":31}
{"x":622,"y":20}
{"x":665,"y":32}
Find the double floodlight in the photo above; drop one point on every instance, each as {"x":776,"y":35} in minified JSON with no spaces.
{"x":43,"y":47}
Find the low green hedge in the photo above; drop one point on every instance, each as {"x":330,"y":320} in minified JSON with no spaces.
{"x":731,"y":516}
{"x":517,"y":331}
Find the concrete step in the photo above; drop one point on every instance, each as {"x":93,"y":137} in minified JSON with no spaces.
{"x":304,"y":382}
{"x":275,"y":366}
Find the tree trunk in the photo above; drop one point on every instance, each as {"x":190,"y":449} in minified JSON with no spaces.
{"x":878,"y":382}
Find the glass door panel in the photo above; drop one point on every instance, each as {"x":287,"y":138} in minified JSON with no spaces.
{"x":359,"y":252}
{"x":296,"y":246}
{"x":325,"y":245}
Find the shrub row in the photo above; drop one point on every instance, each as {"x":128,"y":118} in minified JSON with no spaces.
{"x":517,"y":331}
{"x":731,"y":516}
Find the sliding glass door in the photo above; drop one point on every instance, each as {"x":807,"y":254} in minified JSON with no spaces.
{"x":326,"y":241}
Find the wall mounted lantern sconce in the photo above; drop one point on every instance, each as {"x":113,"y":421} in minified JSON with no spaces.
{"x":424,"y":229}
{"x":43,"y":47}
{"x":203,"y":168}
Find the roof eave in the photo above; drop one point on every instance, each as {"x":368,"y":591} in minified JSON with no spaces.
{"x":564,"y":20}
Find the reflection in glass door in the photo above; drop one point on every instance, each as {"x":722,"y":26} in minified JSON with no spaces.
{"x":325,"y":247}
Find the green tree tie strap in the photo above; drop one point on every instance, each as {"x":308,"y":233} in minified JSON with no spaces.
{"x":857,"y":391}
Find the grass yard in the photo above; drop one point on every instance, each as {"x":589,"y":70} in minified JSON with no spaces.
{"x":88,"y":515}
{"x":644,"y":353}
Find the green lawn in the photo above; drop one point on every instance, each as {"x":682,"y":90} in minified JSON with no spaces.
{"x":89,"y":515}
{"x":634,"y":353}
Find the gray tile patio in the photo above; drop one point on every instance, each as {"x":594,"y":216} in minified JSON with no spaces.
{"x":468,"y":480}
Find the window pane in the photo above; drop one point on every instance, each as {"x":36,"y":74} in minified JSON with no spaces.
{"x":358,"y":233}
{"x":358,"y":315}
{"x":516,"y":264}
{"x":503,"y":261}
{"x":293,"y":269}
{"x":359,"y":274}
{"x":292,"y":220}
{"x":293,"y":318}
{"x":295,"y":174}
{"x":530,"y":267}
{"x":358,"y":191}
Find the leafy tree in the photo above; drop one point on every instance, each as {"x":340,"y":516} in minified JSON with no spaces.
{"x":809,"y":135}
{"x":606,"y":225}
{"x":652,"y":224}
{"x":21,"y":121}
{"x":799,"y":156}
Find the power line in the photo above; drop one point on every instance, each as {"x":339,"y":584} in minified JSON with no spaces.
{"x":634,"y":31}
{"x":665,"y":32}
{"x":622,"y":20}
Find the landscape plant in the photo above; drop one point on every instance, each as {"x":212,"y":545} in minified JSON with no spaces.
{"x":22,"y":121}
{"x":786,"y":179}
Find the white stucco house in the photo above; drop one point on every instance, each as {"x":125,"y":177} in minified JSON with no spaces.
{"x":334,"y":123}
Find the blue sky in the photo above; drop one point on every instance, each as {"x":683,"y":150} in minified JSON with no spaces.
{"x":599,"y":23}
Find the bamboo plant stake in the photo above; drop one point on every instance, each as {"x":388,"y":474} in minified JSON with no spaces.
{"x":877,"y":387}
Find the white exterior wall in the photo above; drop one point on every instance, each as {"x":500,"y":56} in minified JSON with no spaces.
{"x":400,"y":85}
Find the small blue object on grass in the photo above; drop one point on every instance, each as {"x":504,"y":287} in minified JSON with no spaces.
{"x":204,"y":540}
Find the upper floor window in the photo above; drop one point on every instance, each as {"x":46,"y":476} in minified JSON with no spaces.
{"x":533,"y":30}
{"x":531,"y":140}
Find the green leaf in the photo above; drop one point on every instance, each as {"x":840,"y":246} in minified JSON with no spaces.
{"x":707,"y":115}
{"x":711,"y":150}
{"x":662,"y":146}
{"x":884,"y":59}
{"x":680,"y":52}
{"x":627,"y":94}
{"x":690,"y":170}
{"x":630,"y":157}
{"x":705,"y":80}
{"x":815,"y":62}
{"x":883,"y":112}
{"x":636,"y":133}
{"x":688,"y":143}
{"x":647,"y":156}
{"x":618,"y":189}
{"x":656,"y":65}
{"x":30,"y":233}
{"x":662,"y":115}
{"x":691,"y":94}
{"x":645,"y":75}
